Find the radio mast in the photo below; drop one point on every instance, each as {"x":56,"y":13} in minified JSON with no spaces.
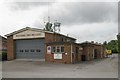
{"x":56,"y":27}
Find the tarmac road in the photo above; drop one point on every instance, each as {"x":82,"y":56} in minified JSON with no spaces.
{"x":99,"y":68}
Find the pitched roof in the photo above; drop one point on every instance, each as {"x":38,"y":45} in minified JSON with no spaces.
{"x":1,"y":37}
{"x":34,"y":29}
{"x":23,"y":29}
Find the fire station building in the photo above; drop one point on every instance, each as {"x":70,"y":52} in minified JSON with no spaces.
{"x":92,"y":50}
{"x":32,"y":43}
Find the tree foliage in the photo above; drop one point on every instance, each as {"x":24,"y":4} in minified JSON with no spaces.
{"x":105,"y":43}
{"x":112,"y":45}
{"x":48,"y":27}
{"x":118,"y":37}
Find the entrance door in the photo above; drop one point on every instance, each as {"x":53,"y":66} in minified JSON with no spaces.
{"x":83,"y":57}
{"x":95,"y":53}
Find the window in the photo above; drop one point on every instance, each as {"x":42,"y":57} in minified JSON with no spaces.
{"x":68,"y":40}
{"x":53,"y":49}
{"x":62,"y":49}
{"x":58,"y":49}
{"x":62,"y":39}
{"x":77,"y":49}
{"x":65,"y":40}
{"x":21,"y":50}
{"x":38,"y":50}
{"x":32,"y":50}
{"x":26,"y":50}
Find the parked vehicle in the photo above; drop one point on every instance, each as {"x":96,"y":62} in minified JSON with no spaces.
{"x":108,"y":53}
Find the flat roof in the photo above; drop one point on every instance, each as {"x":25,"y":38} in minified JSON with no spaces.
{"x":90,"y":43}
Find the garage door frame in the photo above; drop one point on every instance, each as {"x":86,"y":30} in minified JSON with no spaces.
{"x":43,"y":49}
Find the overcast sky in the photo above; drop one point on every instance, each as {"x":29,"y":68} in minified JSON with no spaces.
{"x":85,"y":21}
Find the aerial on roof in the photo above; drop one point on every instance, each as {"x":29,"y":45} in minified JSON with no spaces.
{"x":34,"y":29}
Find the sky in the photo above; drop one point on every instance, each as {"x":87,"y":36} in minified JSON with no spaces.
{"x":86,"y":21}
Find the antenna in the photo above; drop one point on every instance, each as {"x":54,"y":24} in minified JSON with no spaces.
{"x":44,"y":20}
{"x":48,"y":18}
{"x":48,"y":24}
{"x":57,"y":26}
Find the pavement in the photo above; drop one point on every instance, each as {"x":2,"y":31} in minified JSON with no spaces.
{"x":99,"y":68}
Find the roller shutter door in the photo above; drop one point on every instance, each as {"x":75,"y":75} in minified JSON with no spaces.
{"x":29,"y":49}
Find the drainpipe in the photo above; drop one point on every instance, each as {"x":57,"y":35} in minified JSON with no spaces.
{"x":88,"y":57}
{"x":71,"y":53}
{"x":101,"y":51}
{"x":93,"y":53}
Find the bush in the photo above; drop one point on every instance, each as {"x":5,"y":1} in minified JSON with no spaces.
{"x":4,"y":55}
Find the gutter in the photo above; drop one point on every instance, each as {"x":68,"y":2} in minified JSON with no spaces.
{"x":101,"y":51}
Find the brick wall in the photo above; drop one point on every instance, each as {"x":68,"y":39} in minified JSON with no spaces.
{"x":65,"y":58}
{"x":49,"y":37}
{"x":76,"y":55}
{"x":69,"y":58}
{"x":88,"y":50}
{"x":101,"y":50}
{"x":10,"y":48}
{"x":57,"y":38}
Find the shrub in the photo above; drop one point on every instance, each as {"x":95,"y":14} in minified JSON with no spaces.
{"x":4,"y":55}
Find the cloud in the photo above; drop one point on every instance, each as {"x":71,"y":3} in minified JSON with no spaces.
{"x":71,"y":13}
{"x":92,"y":32}
{"x":82,"y":20}
{"x":28,"y":5}
{"x":119,"y":17}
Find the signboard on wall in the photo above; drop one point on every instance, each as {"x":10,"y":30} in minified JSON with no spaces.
{"x":48,"y":49}
{"x":57,"y":56}
{"x":81,"y":49}
{"x":29,"y":34}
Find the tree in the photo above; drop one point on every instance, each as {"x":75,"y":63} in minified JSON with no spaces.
{"x":113,"y":45}
{"x":105,"y":43}
{"x":48,"y":27}
{"x":118,"y":37}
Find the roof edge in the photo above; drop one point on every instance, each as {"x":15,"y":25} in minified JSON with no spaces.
{"x":23,"y":29}
{"x":35,"y":29}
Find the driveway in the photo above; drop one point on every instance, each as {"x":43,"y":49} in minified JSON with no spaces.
{"x":99,"y":68}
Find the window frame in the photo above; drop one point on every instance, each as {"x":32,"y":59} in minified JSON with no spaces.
{"x":21,"y":50}
{"x":26,"y":50}
{"x":32,"y":50}
{"x":53,"y":50}
{"x":38,"y":50}
{"x":61,"y":49}
{"x":58,"y":48}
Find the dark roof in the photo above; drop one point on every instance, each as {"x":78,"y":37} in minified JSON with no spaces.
{"x":90,"y":43}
